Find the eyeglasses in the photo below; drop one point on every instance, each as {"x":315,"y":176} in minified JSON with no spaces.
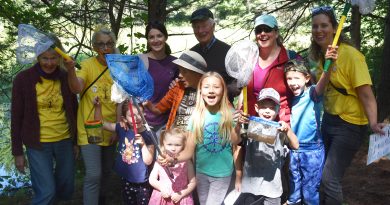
{"x":321,"y":9}
{"x":265,"y":29}
{"x":103,"y":45}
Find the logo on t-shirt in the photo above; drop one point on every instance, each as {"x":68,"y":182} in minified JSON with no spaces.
{"x":130,"y":152}
{"x":212,"y":142}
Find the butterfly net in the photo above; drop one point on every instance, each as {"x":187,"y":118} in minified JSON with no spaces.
{"x":240,"y":61}
{"x":31,"y":43}
{"x":365,"y":6}
{"x":130,"y":78}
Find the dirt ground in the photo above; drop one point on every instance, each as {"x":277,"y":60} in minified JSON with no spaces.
{"x":367,"y":185}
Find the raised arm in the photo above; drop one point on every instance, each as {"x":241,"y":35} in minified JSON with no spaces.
{"x":331,"y":53}
{"x":76,"y":84}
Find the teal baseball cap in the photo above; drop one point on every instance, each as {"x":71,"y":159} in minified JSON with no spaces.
{"x":267,"y":20}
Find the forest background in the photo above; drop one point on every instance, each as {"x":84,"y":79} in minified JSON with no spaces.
{"x":75,"y":20}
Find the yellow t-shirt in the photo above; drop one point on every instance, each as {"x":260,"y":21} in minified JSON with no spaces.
{"x":53,"y":124}
{"x":349,"y":72}
{"x":90,"y":70}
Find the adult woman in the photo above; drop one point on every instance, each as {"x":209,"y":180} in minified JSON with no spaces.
{"x":161,"y":68}
{"x":349,"y":103}
{"x":91,"y":81}
{"x":269,"y":71}
{"x":44,"y":120}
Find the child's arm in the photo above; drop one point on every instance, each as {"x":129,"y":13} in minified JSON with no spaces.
{"x":146,"y":150}
{"x":238,"y":158}
{"x":177,"y":196}
{"x":98,"y":115}
{"x":331,"y":53}
{"x":241,"y":118}
{"x":155,"y":183}
{"x":292,"y":138}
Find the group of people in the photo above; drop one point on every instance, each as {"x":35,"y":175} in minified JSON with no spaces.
{"x":198,"y":128}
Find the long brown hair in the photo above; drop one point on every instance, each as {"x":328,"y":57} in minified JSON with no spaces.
{"x":315,"y":51}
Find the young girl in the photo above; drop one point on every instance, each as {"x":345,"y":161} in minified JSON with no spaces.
{"x":134,"y":155}
{"x":261,"y":181}
{"x":211,"y":135}
{"x":307,"y":162}
{"x":177,"y":190}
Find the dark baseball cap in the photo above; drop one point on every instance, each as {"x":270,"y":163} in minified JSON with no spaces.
{"x":201,"y":14}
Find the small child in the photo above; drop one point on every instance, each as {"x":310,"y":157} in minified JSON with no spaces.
{"x":179,"y":189}
{"x":261,"y":181}
{"x":134,"y":155}
{"x":307,"y":162}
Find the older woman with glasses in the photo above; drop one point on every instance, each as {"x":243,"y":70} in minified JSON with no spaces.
{"x":349,"y":103}
{"x":93,"y":80}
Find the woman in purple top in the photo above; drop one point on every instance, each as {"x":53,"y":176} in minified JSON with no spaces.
{"x":161,"y":68}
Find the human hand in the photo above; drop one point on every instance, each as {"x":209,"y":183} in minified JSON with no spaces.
{"x":20,"y":163}
{"x":76,"y":151}
{"x":96,"y":102}
{"x":138,"y":139}
{"x":284,"y":127}
{"x":123,"y":123}
{"x":378,"y":128}
{"x":173,"y":83}
{"x":237,"y":186}
{"x":165,"y":160}
{"x":114,"y":138}
{"x":331,"y":53}
{"x":165,"y":193}
{"x":69,"y":64}
{"x":176,"y":197}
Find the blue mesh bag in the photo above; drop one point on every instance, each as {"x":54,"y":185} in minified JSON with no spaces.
{"x":130,"y":75}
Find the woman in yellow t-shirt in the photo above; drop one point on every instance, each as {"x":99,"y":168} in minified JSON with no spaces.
{"x":98,"y":157}
{"x":349,"y":103}
{"x":44,"y":120}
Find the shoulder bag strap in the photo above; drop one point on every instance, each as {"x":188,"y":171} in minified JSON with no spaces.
{"x":100,"y":75}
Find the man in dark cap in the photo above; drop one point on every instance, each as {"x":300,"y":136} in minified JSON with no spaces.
{"x":212,"y":50}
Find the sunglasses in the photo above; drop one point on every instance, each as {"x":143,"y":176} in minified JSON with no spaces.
{"x":265,"y":29}
{"x":103,"y":45}
{"x":321,"y":9}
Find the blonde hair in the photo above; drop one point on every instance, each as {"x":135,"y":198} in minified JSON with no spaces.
{"x":198,"y":115}
{"x":174,"y":132}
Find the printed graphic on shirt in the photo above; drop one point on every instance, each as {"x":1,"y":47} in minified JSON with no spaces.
{"x":212,"y":142}
{"x":130,"y":152}
{"x":185,"y":109}
{"x":49,"y":96}
{"x":103,"y":90}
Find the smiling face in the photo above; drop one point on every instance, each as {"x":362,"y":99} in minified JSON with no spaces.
{"x":203,"y":30}
{"x":49,"y":60}
{"x":212,"y":92}
{"x":297,"y":81}
{"x":266,"y":109}
{"x":322,"y":30}
{"x":266,"y":36}
{"x":156,"y":40}
{"x":104,"y":45}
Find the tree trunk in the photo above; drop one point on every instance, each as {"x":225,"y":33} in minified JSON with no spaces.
{"x":383,"y":98}
{"x":355,"y":27}
{"x":157,"y":10}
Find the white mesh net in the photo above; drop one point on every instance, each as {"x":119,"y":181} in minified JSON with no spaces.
{"x":365,"y":6}
{"x":31,"y":43}
{"x":240,"y":61}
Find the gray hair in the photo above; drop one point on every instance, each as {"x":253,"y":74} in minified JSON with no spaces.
{"x":104,"y":31}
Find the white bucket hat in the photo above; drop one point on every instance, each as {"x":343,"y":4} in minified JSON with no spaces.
{"x":192,"y":60}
